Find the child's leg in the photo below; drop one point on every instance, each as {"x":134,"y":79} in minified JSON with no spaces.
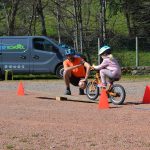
{"x":105,"y":73}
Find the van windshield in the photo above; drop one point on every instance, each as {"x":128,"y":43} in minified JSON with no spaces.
{"x":54,"y":41}
{"x":63,"y":45}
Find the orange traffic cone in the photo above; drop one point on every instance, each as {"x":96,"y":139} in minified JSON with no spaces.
{"x":20,"y":91}
{"x":103,"y":101}
{"x":146,"y":98}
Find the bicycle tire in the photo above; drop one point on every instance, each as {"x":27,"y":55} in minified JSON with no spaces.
{"x":119,"y":89}
{"x":94,"y":93}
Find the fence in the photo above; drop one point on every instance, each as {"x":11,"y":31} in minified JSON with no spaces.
{"x":131,"y":52}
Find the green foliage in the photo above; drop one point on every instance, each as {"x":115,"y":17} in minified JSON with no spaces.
{"x":140,"y":16}
{"x":51,"y":25}
{"x":128,"y":58}
{"x":28,"y":22}
{"x":117,"y":24}
{"x":144,"y":58}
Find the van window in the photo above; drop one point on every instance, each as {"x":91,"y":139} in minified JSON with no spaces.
{"x":43,"y":44}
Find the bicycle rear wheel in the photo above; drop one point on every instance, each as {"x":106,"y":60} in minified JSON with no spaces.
{"x":92,"y":90}
{"x":117,"y":94}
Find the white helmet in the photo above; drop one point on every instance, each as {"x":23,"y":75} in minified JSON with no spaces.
{"x":103,"y":49}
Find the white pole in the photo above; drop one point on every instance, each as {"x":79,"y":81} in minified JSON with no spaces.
{"x":98,"y":50}
{"x":137,"y":52}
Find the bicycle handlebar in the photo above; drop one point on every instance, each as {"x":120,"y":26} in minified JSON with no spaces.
{"x":92,"y":69}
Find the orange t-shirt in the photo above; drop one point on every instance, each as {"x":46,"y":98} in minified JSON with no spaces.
{"x":77,"y":72}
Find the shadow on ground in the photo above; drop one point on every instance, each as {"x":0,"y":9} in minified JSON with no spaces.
{"x":132,"y":103}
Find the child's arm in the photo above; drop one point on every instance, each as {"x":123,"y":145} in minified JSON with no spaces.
{"x":104,"y":64}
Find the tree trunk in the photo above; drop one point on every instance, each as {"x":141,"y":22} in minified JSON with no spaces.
{"x":80,"y":25}
{"x":102,"y":22}
{"x":76,"y":24}
{"x":40,"y":12}
{"x":58,"y":21}
{"x":11,"y":16}
{"x":127,"y":15}
{"x":32,"y":18}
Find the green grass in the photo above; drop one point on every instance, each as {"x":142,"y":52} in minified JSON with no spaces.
{"x":128,"y":58}
{"x":135,"y":77}
{"x":35,"y":77}
{"x":9,"y":146}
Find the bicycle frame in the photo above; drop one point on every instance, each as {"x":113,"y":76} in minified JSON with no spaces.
{"x":97,"y":80}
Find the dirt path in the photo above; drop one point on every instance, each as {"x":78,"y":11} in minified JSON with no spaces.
{"x":38,"y":122}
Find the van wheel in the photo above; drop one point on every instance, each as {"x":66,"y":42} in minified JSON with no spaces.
{"x":59,"y":71}
{"x":2,"y":76}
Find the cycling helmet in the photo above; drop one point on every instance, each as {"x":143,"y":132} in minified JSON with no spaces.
{"x":69,"y":52}
{"x":104,"y":49}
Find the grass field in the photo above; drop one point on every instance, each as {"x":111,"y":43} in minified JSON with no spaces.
{"x":51,"y":77}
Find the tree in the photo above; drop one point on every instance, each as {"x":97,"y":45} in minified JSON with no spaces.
{"x":102,"y":21}
{"x":40,"y":8}
{"x":140,"y":12}
{"x":78,"y":22}
{"x":137,"y":15}
{"x":10,"y":10}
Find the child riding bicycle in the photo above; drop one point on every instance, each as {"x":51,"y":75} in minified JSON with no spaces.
{"x":109,"y":68}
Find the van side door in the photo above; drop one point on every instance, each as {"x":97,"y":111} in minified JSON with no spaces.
{"x":44,"y":56}
{"x":15,"y":55}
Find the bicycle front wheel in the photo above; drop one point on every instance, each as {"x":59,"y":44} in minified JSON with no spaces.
{"x":117,"y":94}
{"x":92,"y":90}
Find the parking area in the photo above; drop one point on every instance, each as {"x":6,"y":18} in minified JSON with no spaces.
{"x":37,"y":121}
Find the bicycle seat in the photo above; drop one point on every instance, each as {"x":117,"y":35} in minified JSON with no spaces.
{"x":114,"y":79}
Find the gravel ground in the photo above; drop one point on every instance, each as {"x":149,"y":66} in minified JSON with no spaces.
{"x":36,"y":121}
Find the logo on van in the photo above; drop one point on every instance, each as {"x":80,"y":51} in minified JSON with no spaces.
{"x":12,"y":47}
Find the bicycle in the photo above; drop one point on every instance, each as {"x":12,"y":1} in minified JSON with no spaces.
{"x":115,"y":92}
